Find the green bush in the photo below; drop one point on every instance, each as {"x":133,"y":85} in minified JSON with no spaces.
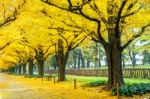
{"x":134,"y":89}
{"x":95,"y":83}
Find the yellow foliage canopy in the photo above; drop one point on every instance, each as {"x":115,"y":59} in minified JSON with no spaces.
{"x":42,"y":24}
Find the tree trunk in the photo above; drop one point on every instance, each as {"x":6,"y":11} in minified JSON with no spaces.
{"x":61,"y":70}
{"x":75,"y":63}
{"x":79,"y":59}
{"x":96,"y":56}
{"x":61,"y":58}
{"x":55,"y":67}
{"x":12,"y":70}
{"x":82,"y":59}
{"x":99,"y":58}
{"x":74,"y":60}
{"x":41,"y":68}
{"x":123,"y":60}
{"x":144,"y":58}
{"x":16,"y":70}
{"x":113,"y":55}
{"x":24,"y":68}
{"x":20,"y":69}
{"x":31,"y":65}
{"x":113,"y":48}
{"x":99,"y":63}
{"x":132,"y":56}
{"x":53,"y":62}
{"x":88,"y":62}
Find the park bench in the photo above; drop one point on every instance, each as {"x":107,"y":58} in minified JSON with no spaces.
{"x":50,"y":76}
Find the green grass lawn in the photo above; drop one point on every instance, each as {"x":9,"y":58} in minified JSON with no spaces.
{"x":138,"y":66}
{"x":86,"y":79}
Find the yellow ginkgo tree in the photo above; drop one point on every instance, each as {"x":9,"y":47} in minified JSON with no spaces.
{"x":66,"y":36}
{"x":113,"y":19}
{"x":42,"y":47}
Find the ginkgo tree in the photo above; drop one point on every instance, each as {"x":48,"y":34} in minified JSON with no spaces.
{"x":19,"y":56}
{"x":66,"y":40}
{"x":113,"y":19}
{"x":27,"y":57}
{"x":39,"y":23}
{"x":16,"y":59}
{"x":30,"y":29}
{"x":65,"y":45}
{"x":41,"y":48}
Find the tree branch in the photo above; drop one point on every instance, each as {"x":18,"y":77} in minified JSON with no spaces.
{"x":100,"y":14}
{"x":71,"y":9}
{"x":117,"y":27}
{"x":7,"y":44}
{"x":132,"y":5}
{"x":13,"y":16}
{"x":46,"y":52}
{"x":135,"y":36}
{"x":74,"y":45}
{"x":132,"y":13}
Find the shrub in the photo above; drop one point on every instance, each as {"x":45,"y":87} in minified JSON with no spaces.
{"x":95,"y":83}
{"x":134,"y":89}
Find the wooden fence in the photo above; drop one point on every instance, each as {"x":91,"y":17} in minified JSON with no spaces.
{"x":127,"y":73}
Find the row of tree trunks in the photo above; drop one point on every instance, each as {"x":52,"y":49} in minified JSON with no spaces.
{"x":79,"y":61}
{"x":22,"y":69}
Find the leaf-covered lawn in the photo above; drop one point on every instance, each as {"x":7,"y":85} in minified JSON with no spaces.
{"x":34,"y":87}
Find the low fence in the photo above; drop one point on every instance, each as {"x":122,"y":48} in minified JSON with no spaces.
{"x":127,"y":73}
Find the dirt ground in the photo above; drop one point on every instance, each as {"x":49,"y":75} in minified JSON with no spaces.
{"x":19,"y":87}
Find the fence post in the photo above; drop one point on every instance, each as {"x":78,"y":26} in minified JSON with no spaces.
{"x":42,"y":78}
{"x":54,"y":80}
{"x":75,"y":84}
{"x":118,"y":93}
